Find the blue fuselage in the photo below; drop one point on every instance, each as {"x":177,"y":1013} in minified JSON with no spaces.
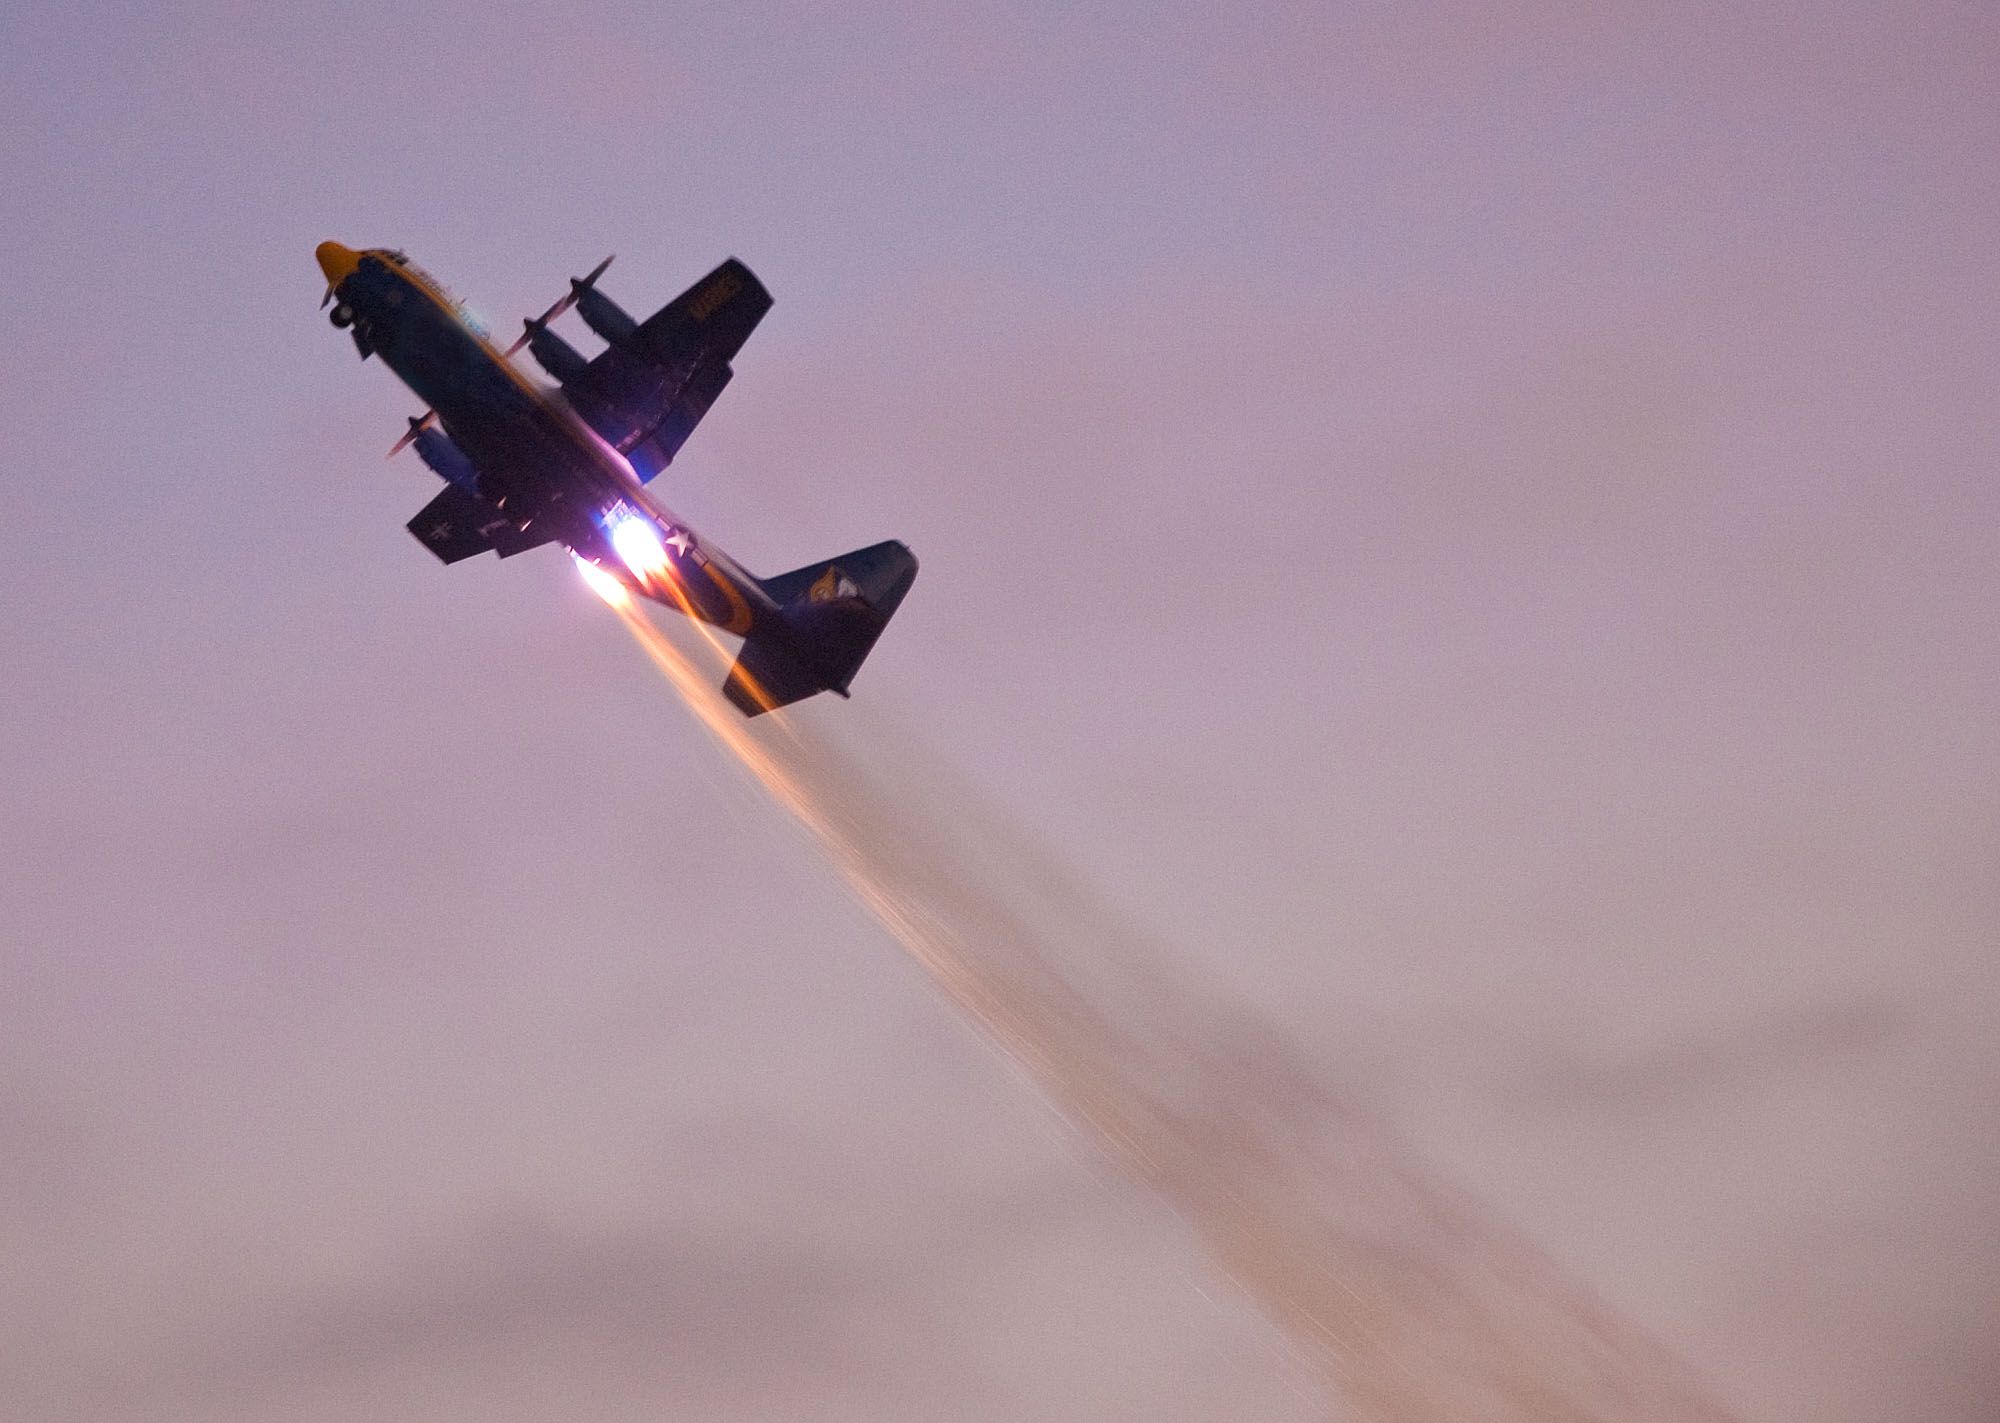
{"x":535,"y":458}
{"x":531,"y":452}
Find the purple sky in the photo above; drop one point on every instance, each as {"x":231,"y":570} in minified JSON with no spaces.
{"x":1478,"y":529}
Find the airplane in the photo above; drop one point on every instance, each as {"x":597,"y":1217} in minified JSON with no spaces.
{"x":525,"y":464}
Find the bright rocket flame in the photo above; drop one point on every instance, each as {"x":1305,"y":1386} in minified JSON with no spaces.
{"x":603,"y":584}
{"x":638,"y":543}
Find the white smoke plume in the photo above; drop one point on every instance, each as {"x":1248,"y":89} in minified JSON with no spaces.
{"x":1399,"y":1294}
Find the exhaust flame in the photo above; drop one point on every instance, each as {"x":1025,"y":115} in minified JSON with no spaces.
{"x":603,"y":584}
{"x":1407,"y":1302}
{"x":638,"y":543}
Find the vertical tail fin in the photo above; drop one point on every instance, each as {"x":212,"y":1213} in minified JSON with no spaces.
{"x":833,"y":613}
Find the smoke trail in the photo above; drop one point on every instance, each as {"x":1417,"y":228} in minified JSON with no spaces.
{"x":1398,"y":1293}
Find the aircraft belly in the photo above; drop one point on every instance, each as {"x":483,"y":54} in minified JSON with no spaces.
{"x":537,"y":466}
{"x":501,"y":425}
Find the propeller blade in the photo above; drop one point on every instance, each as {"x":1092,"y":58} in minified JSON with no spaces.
{"x":326,"y":300}
{"x":536,"y":323}
{"x":576,"y":284}
{"x":530,"y":327}
{"x":418,"y":423}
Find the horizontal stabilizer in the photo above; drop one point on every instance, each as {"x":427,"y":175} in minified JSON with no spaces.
{"x":767,"y":676}
{"x":833,"y":612}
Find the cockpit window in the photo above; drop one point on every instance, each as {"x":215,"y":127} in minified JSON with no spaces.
{"x":397,"y":257}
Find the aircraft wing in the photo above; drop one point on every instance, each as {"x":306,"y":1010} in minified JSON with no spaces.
{"x":647,"y":394}
{"x":459,"y":524}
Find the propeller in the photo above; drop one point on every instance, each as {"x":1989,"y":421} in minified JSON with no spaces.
{"x":418,"y":424}
{"x":595,"y":273}
{"x":576,"y":289}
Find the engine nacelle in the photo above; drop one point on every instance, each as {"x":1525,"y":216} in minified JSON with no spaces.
{"x":555,"y":355}
{"x":603,"y":315}
{"x":436,"y":449}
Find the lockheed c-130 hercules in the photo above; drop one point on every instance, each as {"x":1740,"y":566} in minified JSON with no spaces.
{"x":525,"y":465}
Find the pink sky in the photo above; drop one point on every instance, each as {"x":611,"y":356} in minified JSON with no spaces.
{"x":1477,"y":531}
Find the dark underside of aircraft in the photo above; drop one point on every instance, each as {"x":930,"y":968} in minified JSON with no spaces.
{"x":526,"y":465}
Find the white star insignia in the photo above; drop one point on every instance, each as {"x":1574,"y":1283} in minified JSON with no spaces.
{"x":679,"y":541}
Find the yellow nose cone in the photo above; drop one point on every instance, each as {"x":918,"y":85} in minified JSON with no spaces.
{"x":337,"y":262}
